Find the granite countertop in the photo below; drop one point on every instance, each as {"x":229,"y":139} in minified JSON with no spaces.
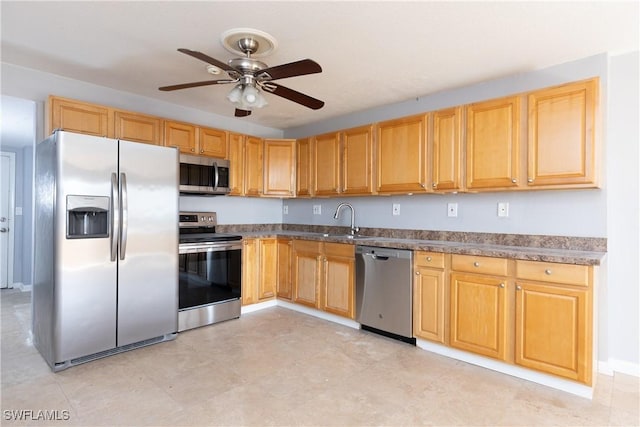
{"x":568,"y":250}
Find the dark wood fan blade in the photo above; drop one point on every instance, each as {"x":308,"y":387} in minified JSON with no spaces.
{"x":206,"y":58}
{"x":293,"y":95}
{"x":242,"y":113}
{"x":195,"y":84}
{"x":292,"y":69}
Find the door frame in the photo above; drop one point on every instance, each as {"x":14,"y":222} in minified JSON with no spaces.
{"x":11,"y":216}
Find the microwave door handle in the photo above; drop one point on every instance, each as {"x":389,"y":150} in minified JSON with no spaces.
{"x":216,"y":176}
{"x":124,"y":202}
{"x":115,"y":217}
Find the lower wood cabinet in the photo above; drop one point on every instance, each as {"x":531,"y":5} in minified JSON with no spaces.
{"x":285,"y":288}
{"x":306,"y":264}
{"x":259,"y":270}
{"x":429,"y":310}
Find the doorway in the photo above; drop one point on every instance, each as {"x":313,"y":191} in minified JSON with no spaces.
{"x":7,"y":208}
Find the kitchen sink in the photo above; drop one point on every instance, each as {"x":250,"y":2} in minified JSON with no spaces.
{"x":349,"y":236}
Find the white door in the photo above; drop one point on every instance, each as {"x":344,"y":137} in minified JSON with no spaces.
{"x":7,"y":176}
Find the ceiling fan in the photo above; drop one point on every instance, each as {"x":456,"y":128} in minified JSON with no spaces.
{"x":251,"y":75}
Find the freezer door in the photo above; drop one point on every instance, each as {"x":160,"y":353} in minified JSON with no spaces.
{"x":84,"y":293}
{"x":148,"y":252}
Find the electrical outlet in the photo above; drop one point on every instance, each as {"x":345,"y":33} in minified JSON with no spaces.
{"x":503,"y":209}
{"x":285,"y":209}
{"x":317,"y":209}
{"x":452,"y":209}
{"x":396,"y":209}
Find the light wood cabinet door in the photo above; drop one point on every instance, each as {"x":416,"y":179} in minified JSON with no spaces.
{"x":357,"y":160}
{"x":253,"y":148}
{"x":212,"y":143}
{"x":326,"y":157}
{"x":284,"y":289}
{"x":250,"y":269}
{"x":304,"y":167}
{"x":138,"y":128}
{"x":478,"y":317}
{"x":80,"y":117}
{"x":236,"y":164}
{"x":181,"y":135}
{"x":429,"y":304}
{"x":447,"y":150}
{"x":493,"y":144}
{"x":307,"y":265}
{"x":279,"y":167}
{"x":339,"y":279}
{"x":401,"y":155}
{"x":268,"y":270}
{"x":562,"y":135}
{"x":553,"y":330}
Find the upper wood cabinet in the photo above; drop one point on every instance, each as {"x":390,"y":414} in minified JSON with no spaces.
{"x":138,"y":127}
{"x":357,"y":161}
{"x":562,"y":135}
{"x":180,"y":135}
{"x":279,"y":167}
{"x":81,"y":117}
{"x":236,"y":164}
{"x":401,"y":155}
{"x":326,"y":167}
{"x":253,"y":154}
{"x":212,"y":142}
{"x":446,"y":148}
{"x":493,"y":144}
{"x":304,"y":167}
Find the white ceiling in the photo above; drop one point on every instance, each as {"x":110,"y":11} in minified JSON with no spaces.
{"x":372,"y":53}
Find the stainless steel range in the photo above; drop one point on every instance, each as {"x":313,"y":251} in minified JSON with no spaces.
{"x":210,"y":272}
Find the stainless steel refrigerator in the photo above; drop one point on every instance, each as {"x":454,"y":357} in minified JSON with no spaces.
{"x":106,"y":247}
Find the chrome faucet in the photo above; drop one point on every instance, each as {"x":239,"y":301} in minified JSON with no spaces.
{"x":353,"y":229}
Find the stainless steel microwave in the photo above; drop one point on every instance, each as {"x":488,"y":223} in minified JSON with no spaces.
{"x":203,"y":175}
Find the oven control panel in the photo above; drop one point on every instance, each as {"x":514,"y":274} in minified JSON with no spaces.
{"x":198,"y":219}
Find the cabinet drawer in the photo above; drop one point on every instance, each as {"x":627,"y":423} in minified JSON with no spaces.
{"x":307,"y":245}
{"x":553,"y":272}
{"x":479,"y":264}
{"x":428,"y":259}
{"x":340,"y":249}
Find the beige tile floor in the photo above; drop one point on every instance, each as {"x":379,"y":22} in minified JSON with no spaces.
{"x":280,"y":367}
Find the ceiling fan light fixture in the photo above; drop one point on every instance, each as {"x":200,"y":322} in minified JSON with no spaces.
{"x":252,"y":98}
{"x":235,"y":96}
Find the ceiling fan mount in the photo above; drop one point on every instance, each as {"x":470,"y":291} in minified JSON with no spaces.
{"x":249,"y":74}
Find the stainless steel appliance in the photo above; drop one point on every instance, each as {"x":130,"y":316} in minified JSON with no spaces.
{"x":384,"y":291}
{"x":203,"y":175}
{"x":106,"y":259}
{"x":210,"y":272}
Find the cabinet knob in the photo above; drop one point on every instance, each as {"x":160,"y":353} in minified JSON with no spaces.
{"x":192,"y":150}
{"x":476,"y":264}
{"x":518,"y":288}
{"x":530,"y":180}
{"x":514,"y":180}
{"x":547,"y":272}
{"x":434,"y":185}
{"x":417,"y":273}
{"x":502,"y":285}
{"x":428,"y":259}
{"x":201,"y":151}
{"x":422,"y":185}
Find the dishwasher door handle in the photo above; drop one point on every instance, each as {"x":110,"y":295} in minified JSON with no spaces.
{"x":380,"y":257}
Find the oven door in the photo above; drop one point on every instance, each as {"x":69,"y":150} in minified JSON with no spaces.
{"x":209,"y":273}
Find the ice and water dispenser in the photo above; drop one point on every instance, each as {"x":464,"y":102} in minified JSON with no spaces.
{"x":87,"y":217}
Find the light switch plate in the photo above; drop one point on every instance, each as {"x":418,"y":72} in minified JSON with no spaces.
{"x":503,"y":209}
{"x":452,"y":210}
{"x":396,"y":209}
{"x":285,"y":209}
{"x":18,"y":210}
{"x":317,"y":209}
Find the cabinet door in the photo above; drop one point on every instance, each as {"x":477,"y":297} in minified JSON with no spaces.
{"x":402,"y":155}
{"x":339,"y":280}
{"x":212,"y":142}
{"x":304,"y":166}
{"x":447,"y":149}
{"x":357,"y":160}
{"x":268,"y":269}
{"x":138,"y":128}
{"x":428,"y":304}
{"x":326,"y":156}
{"x":181,"y":135}
{"x":79,"y":117}
{"x":250,"y":268}
{"x":279,"y":167}
{"x":306,"y":273}
{"x":553,"y":330}
{"x":253,"y":166}
{"x":562,"y":135}
{"x":478,"y":314}
{"x":284,"y":289}
{"x":493,"y":143}
{"x":236,"y":164}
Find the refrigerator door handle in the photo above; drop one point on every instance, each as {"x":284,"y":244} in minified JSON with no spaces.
{"x":115,"y":217}
{"x":124,"y":216}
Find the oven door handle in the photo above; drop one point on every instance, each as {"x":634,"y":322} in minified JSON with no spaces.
{"x":208,"y":248}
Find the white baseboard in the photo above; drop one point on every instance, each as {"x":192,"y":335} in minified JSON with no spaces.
{"x":604,"y":367}
{"x":259,"y":306}
{"x":23,"y":287}
{"x":321,"y":314}
{"x":625,"y":367}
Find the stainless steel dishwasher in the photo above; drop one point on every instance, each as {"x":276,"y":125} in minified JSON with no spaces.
{"x":384,"y":291}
